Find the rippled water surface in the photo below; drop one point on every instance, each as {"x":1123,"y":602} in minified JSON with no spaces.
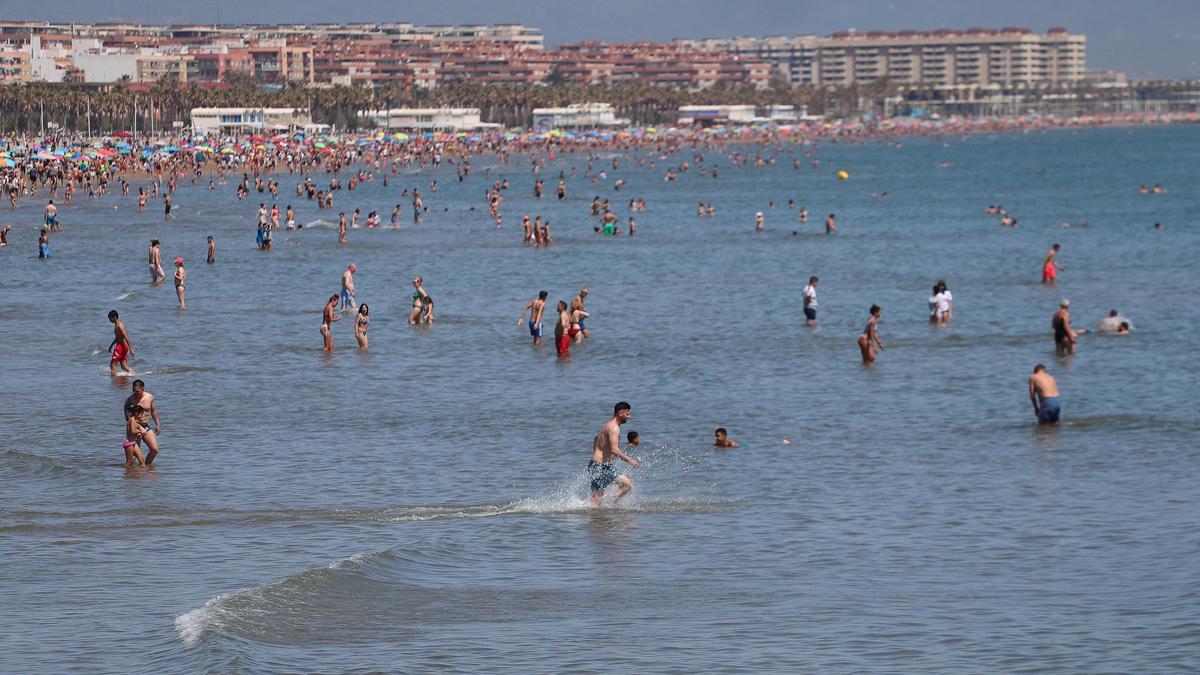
{"x":422,"y":506}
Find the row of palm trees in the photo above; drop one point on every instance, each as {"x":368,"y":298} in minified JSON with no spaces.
{"x":32,"y":107}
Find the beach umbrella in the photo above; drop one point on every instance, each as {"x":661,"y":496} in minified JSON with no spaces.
{"x":6,"y":162}
{"x":45,"y":155}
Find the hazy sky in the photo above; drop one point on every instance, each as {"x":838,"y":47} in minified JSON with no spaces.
{"x":1153,"y":38}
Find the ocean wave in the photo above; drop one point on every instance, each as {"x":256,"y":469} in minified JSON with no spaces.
{"x":35,"y":464}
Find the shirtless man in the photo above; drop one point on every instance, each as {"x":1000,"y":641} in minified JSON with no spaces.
{"x":723,"y":441}
{"x":1043,"y":394}
{"x":154,"y":258}
{"x":535,"y":308}
{"x":605,"y":447}
{"x":145,"y":400}
{"x":52,"y":217}
{"x":562,"y":340}
{"x":1064,"y":335}
{"x":1050,"y":265}
{"x":348,"y":303}
{"x":830,"y":225}
{"x":120,"y":347}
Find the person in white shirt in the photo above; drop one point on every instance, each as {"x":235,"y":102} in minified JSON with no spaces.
{"x":810,"y":302}
{"x":945,"y":303}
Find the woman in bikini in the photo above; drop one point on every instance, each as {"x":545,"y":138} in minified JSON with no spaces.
{"x":870,"y":338}
{"x":414,"y":315}
{"x":361,"y":323}
{"x":328,"y":316}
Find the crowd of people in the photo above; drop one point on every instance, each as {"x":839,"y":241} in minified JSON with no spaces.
{"x":263,"y":162}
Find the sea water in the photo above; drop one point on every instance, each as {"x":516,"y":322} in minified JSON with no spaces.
{"x":422,"y":506}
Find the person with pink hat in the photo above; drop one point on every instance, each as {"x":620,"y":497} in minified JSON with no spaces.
{"x":180,"y":276}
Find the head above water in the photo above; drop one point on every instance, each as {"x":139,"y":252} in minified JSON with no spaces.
{"x":876,"y":310}
{"x":112,"y":315}
{"x":542,"y":295}
{"x":1039,"y":368}
{"x":632,"y":437}
{"x":1064,"y":303}
{"x":622,"y":410}
{"x":138,"y":386}
{"x":363,"y":309}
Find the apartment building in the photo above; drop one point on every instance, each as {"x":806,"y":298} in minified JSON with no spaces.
{"x":1010,"y":57}
{"x":14,"y":65}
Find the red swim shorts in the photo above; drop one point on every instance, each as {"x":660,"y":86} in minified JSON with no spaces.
{"x":573,"y":331}
{"x":563,"y":344}
{"x":120,"y":351}
{"x":1049,"y":272}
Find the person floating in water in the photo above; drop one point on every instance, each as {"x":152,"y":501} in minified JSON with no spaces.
{"x":723,"y":440}
{"x":1043,"y":393}
{"x":605,"y":447}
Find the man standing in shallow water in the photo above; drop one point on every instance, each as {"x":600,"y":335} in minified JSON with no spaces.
{"x":121,"y":347}
{"x":605,"y":447}
{"x":141,"y":404}
{"x":1043,"y":393}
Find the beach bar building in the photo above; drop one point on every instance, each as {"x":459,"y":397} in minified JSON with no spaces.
{"x":577,"y":116}
{"x":443,"y":119}
{"x":206,"y":120}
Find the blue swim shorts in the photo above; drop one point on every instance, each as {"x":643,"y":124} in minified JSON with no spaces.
{"x":535,"y":329}
{"x":1050,"y":410}
{"x":810,"y":313}
{"x":602,"y":475}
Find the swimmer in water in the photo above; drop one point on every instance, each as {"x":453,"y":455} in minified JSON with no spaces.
{"x":1043,"y":394}
{"x":328,"y":316}
{"x":1050,"y":266}
{"x":830,"y":225}
{"x":562,"y":341}
{"x":535,"y":308}
{"x":121,"y":346}
{"x":1111,"y":323}
{"x":414,"y":314}
{"x":810,"y":302}
{"x":361,"y":323}
{"x":632,"y":439}
{"x":583,"y":293}
{"x":606,"y":447}
{"x":1064,"y":335}
{"x":180,"y":277}
{"x":870,"y":337}
{"x":723,"y":440}
{"x":347,"y":292}
{"x":759,"y":221}
{"x":133,"y":438}
{"x":212,"y":250}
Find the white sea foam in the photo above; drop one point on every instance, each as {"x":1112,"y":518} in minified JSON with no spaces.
{"x":191,"y":626}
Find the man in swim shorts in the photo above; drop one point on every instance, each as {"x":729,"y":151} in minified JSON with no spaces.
{"x":1043,"y":393}
{"x":1050,"y":265}
{"x":605,"y":447}
{"x":348,"y":303}
{"x":535,"y":308}
{"x":583,"y":293}
{"x":140,"y":404}
{"x":120,"y":347}
{"x":562,"y":338}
